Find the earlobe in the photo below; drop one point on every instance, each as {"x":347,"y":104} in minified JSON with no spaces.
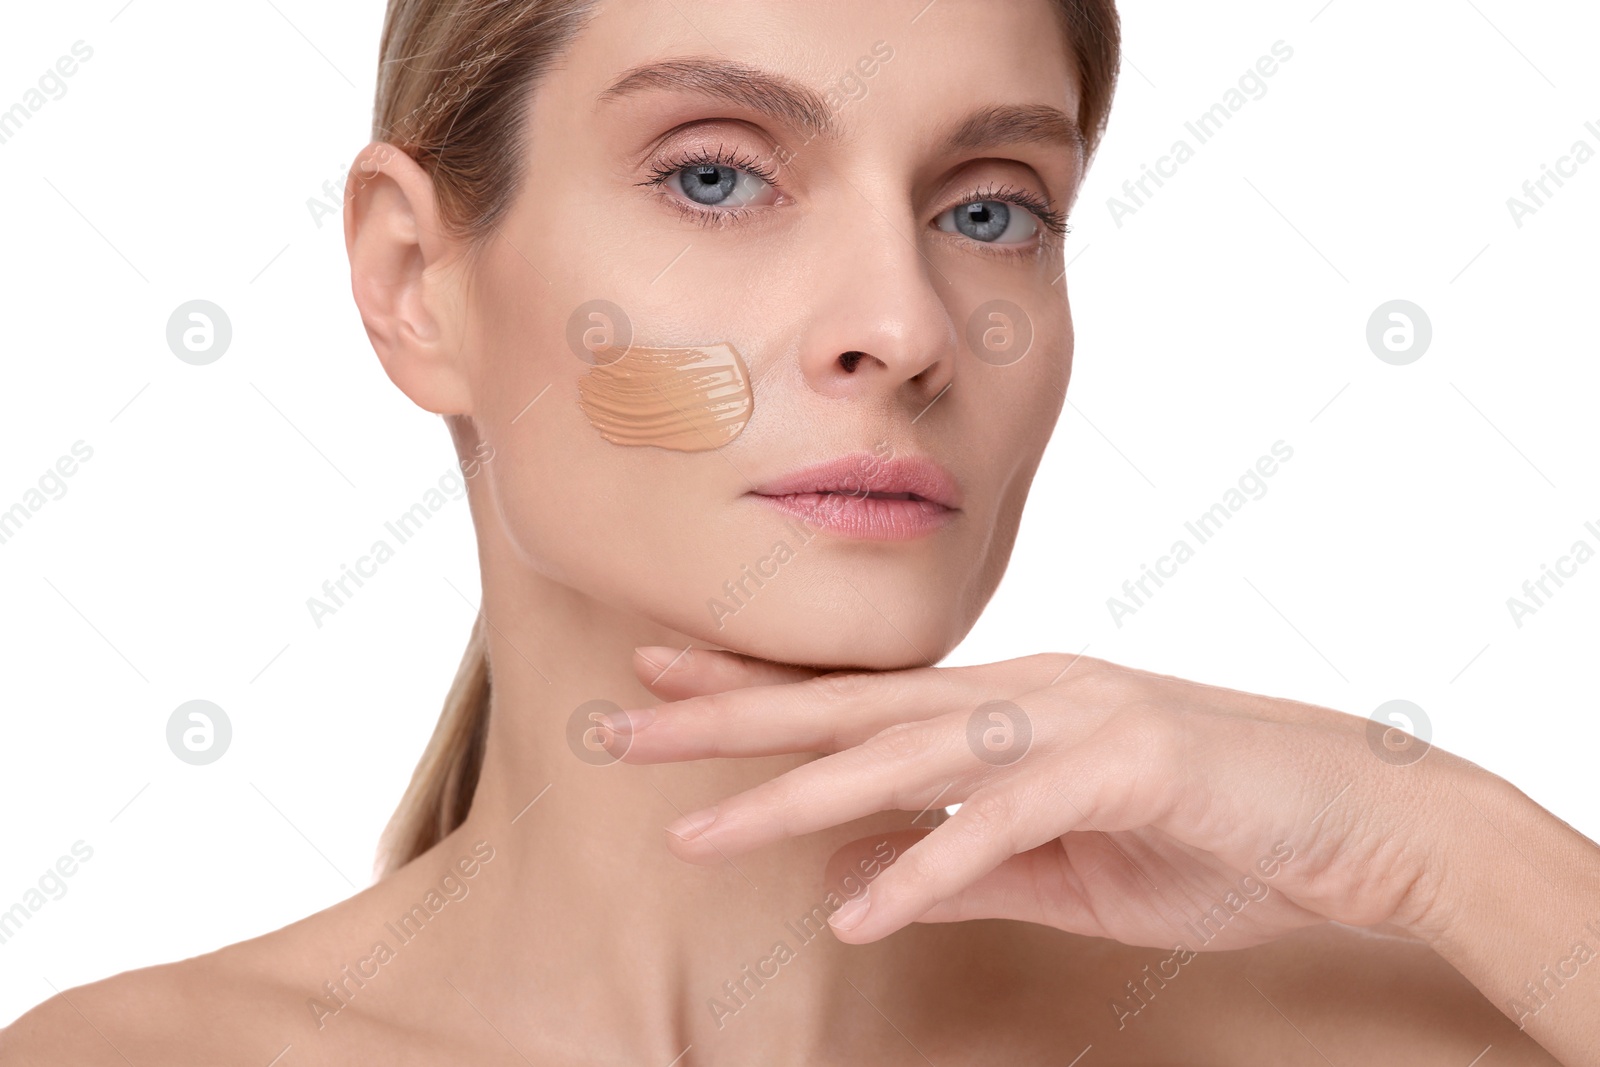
{"x":404,"y":278}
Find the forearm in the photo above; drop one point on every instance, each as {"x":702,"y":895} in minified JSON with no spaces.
{"x":1517,"y":910}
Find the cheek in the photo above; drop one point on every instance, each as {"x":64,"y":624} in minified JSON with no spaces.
{"x":680,"y":399}
{"x":643,"y":530}
{"x":1013,"y":409}
{"x":594,"y":484}
{"x":1045,"y":382}
{"x":1012,"y":415}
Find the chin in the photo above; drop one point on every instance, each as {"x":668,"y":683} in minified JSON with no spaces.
{"x":840,"y":637}
{"x":848,"y":605}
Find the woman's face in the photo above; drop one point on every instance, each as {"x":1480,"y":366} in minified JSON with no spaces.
{"x":857,"y":200}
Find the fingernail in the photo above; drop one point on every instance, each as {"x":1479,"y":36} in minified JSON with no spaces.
{"x":632,"y":721}
{"x":663,"y":658}
{"x":691,"y":826}
{"x":849,"y":916}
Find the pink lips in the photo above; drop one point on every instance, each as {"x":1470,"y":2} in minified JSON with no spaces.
{"x":867,"y":497}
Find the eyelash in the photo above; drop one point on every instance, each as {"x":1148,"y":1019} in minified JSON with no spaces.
{"x":713,"y":218}
{"x":1052,"y":220}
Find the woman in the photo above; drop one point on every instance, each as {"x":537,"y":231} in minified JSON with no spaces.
{"x":748,"y":327}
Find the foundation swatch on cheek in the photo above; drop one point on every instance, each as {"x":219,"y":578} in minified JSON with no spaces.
{"x":685,"y":399}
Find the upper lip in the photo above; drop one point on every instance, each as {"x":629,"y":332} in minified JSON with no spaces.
{"x":866,"y":472}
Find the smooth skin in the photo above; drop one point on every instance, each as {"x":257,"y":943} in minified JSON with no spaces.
{"x":585,"y":937}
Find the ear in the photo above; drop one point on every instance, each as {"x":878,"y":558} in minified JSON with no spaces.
{"x":407,"y":278}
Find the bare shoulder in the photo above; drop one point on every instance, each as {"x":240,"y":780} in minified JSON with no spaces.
{"x":162,"y":1014}
{"x":1339,"y":990}
{"x":249,"y":1002}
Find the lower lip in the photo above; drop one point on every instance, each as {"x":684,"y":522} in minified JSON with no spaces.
{"x":867,"y":518}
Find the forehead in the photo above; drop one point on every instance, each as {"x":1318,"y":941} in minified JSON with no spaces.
{"x":909,"y":64}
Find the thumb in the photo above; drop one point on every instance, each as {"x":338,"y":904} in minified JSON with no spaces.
{"x":676,"y":673}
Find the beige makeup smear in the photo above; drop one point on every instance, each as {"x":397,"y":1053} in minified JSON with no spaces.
{"x":685,"y":399}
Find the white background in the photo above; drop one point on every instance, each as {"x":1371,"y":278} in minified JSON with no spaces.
{"x":1228,"y":313}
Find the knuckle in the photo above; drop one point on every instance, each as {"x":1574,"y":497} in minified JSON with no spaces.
{"x":917,"y":871}
{"x":1149,"y":734}
{"x":900,"y":741}
{"x":840,"y":686}
{"x":708,"y":705}
{"x":710,"y":717}
{"x":784,"y":801}
{"x":1082,"y":675}
{"x":1046,"y":665}
{"x":992,"y":812}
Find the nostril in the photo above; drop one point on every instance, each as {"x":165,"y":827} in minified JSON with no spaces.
{"x":850,"y":360}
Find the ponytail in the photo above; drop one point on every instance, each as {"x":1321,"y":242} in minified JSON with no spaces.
{"x":454,"y":81}
{"x":440,"y":793}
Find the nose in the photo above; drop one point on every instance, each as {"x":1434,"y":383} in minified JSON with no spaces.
{"x":879,"y":327}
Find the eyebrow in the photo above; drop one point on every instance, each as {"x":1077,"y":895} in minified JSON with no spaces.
{"x":801,"y":106}
{"x":783,"y":98}
{"x":1016,"y":124}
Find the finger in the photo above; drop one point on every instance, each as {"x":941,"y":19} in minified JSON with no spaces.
{"x":989,"y":829}
{"x":1048,"y":885}
{"x":1003,"y":820}
{"x":677,"y":673}
{"x":914,"y":767}
{"x":857,"y":864}
{"x":825,"y":713}
{"x":1035,"y":886}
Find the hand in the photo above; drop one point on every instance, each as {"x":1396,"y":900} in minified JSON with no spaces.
{"x":1094,"y":798}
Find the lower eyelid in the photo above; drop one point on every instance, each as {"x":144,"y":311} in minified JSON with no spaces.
{"x":706,"y":216}
{"x":1016,"y":250}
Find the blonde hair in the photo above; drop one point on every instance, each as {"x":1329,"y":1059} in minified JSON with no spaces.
{"x":454,"y":81}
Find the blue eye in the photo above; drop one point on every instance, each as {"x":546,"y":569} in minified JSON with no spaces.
{"x":708,"y":184}
{"x":724,"y":180}
{"x":715,"y":185}
{"x":990,"y":221}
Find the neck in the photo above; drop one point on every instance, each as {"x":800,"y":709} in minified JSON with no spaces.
{"x":584,"y":914}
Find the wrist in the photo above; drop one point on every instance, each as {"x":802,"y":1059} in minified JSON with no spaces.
{"x":1467,"y":810}
{"x":1510,"y":901}
{"x":1493,"y":859}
